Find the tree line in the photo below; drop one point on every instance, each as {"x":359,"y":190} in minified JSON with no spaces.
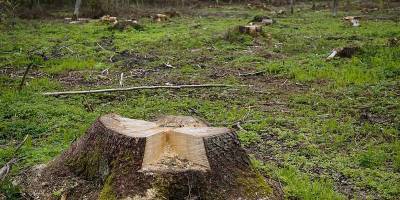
{"x":95,"y":8}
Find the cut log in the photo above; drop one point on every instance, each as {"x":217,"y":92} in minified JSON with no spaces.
{"x":174,"y":157}
{"x":344,"y":52}
{"x":253,"y":30}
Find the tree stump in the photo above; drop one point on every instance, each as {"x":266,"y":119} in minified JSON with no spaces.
{"x":108,"y":19}
{"x":160,"y":18}
{"x":125,"y":24}
{"x":175,"y":157}
{"x":352,"y":20}
{"x":253,"y":30}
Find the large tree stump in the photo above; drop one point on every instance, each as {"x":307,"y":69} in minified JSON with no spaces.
{"x":174,"y":157}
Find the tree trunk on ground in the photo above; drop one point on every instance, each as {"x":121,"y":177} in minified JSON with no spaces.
{"x":76,"y":10}
{"x":335,"y":5}
{"x":313,"y":5}
{"x":174,"y":157}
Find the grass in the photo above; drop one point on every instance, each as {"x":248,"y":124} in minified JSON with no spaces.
{"x":320,"y":129}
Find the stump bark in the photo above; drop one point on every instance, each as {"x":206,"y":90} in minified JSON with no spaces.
{"x":174,"y":157}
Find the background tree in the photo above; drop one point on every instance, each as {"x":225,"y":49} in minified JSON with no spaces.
{"x":291,"y":6}
{"x":76,"y":11}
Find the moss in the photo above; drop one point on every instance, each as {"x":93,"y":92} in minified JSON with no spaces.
{"x":88,"y":164}
{"x":58,"y":193}
{"x":254,"y":186}
{"x":107,"y":193}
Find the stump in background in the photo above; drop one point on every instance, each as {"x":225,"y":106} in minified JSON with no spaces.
{"x":253,"y":30}
{"x":125,"y":24}
{"x":160,"y":18}
{"x":352,"y":20}
{"x":108,"y":19}
{"x":262,"y":20}
{"x":174,"y":157}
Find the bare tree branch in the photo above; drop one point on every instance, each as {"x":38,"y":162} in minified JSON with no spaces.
{"x":140,"y":88}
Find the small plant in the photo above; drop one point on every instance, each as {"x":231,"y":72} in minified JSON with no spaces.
{"x":9,"y":191}
{"x":396,"y":162}
{"x":233,"y":35}
{"x":249,"y":137}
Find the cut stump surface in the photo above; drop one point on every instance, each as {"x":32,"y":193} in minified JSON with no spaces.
{"x":174,"y":157}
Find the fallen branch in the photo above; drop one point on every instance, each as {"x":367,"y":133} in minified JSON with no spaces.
{"x":140,"y":88}
{"x":252,"y":73}
{"x":7,"y":167}
{"x":101,"y":46}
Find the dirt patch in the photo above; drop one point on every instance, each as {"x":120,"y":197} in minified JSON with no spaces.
{"x":280,"y":84}
{"x":128,"y":58}
{"x":367,"y":115}
{"x":18,"y":73}
{"x":77,"y":78}
{"x":342,"y":183}
{"x":106,"y":43}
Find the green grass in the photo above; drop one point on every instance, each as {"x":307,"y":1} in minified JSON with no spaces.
{"x":318,"y":128}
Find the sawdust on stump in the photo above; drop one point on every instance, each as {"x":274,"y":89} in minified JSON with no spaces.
{"x":175,"y":157}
